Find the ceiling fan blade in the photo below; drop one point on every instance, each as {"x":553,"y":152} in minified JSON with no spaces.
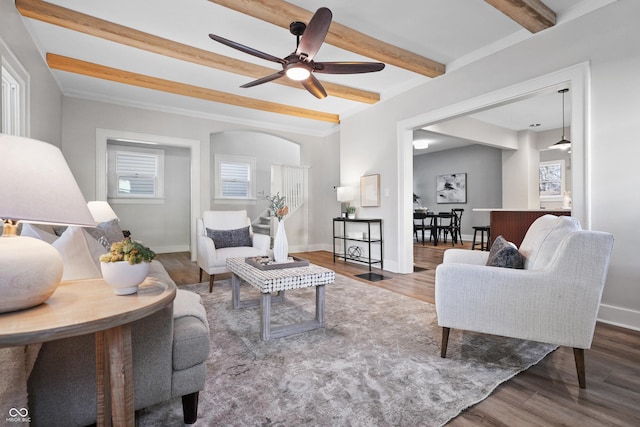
{"x":347,"y":67}
{"x":314,"y":87}
{"x":264,"y":79}
{"x":247,"y":49}
{"x":314,"y":35}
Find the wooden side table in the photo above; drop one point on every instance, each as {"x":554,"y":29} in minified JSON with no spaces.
{"x":90,"y":306}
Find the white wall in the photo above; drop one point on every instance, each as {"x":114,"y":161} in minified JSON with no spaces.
{"x":266,"y":149}
{"x":607,"y":39}
{"x":81,"y":118}
{"x":45,"y":98}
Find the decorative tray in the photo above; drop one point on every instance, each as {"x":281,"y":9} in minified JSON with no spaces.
{"x":266,"y":263}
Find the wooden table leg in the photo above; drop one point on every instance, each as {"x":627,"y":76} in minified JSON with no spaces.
{"x":320,"y":305}
{"x":103,"y":388}
{"x":265,"y":317}
{"x":235,"y":291}
{"x":118,"y":343}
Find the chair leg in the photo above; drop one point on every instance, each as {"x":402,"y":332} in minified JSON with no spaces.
{"x":211,"y":276}
{"x":445,"y":342}
{"x":190,"y":407}
{"x":199,"y":281}
{"x":578,"y":355}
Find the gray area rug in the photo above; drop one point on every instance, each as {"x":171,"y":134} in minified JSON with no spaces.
{"x":377,"y":363}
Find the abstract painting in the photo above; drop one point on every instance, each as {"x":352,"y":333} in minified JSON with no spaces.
{"x":451,"y":188}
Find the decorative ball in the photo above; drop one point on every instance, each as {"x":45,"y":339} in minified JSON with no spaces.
{"x":354,"y":251}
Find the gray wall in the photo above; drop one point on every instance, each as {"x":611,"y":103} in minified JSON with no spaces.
{"x":483,"y":166}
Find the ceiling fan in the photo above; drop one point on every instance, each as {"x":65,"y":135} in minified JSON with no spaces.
{"x":300,"y":65}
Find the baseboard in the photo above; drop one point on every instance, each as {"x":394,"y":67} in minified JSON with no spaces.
{"x":171,"y":249}
{"x":619,"y":316}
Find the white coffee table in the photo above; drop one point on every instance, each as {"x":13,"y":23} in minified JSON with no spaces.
{"x":273,"y":284}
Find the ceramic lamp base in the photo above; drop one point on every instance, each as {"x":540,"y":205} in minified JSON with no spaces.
{"x":30,"y":271}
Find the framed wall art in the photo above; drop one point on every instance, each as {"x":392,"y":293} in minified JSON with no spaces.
{"x":451,"y":188}
{"x":370,"y":190}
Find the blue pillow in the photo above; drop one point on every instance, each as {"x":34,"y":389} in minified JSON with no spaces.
{"x":505,"y":254}
{"x":230,"y":238}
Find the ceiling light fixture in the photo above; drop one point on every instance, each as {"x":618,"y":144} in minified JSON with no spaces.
{"x":298,"y":72}
{"x":563,"y":144}
{"x":420,"y":144}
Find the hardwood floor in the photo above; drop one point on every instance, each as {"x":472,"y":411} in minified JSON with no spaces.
{"x":546,"y":394}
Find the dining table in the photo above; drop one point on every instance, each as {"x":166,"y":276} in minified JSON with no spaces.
{"x":432,"y":221}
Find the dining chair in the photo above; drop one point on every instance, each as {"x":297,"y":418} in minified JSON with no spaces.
{"x":457,"y":226}
{"x":445,"y":226}
{"x":419,"y":224}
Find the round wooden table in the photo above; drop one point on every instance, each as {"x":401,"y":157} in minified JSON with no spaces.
{"x":90,"y":306}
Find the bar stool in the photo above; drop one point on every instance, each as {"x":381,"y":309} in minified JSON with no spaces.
{"x":482,"y":229}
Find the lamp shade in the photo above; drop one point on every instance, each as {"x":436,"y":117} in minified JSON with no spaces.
{"x":37,"y":184}
{"x":101,"y":211}
{"x":346,"y":194}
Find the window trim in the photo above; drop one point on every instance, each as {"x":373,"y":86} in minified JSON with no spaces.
{"x":563,"y":169}
{"x":226,"y":158}
{"x":113,"y":149}
{"x":10,"y":65}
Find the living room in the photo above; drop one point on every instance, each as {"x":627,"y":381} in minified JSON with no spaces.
{"x":595,"y":52}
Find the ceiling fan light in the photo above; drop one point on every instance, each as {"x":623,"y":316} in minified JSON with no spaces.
{"x":298,"y":72}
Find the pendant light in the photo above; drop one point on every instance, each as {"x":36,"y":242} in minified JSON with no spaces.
{"x":563,"y":144}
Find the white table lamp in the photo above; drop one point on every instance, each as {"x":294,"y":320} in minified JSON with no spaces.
{"x":101,"y":211}
{"x":36,"y":185}
{"x":345,"y":195}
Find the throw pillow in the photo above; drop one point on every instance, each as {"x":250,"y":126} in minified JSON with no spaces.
{"x":230,"y":238}
{"x":504,"y":254}
{"x":39,"y":231}
{"x":107,"y":233}
{"x":80,"y":254}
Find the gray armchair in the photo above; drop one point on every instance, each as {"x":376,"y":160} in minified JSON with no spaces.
{"x":554,"y":299}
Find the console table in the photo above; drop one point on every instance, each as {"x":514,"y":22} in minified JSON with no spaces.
{"x":345,"y":234}
{"x":90,"y":306}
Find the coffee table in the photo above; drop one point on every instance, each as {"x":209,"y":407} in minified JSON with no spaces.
{"x":272,"y":284}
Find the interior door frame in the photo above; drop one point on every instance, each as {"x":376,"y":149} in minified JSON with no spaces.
{"x":577,"y":77}
{"x":102,"y":135}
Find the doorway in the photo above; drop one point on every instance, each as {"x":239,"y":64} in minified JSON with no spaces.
{"x":576,"y":77}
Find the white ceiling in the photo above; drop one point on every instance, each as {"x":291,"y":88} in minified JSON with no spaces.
{"x":453,"y":32}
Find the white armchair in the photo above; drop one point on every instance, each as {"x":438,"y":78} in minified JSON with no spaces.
{"x":554,"y":299}
{"x":213,"y":260}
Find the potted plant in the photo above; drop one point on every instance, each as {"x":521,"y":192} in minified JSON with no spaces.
{"x":126,"y":265}
{"x":351,"y":212}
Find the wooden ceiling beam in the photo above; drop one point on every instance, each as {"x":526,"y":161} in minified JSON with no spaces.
{"x":533,"y":15}
{"x":72,"y":65}
{"x":281,"y":13}
{"x":76,"y":21}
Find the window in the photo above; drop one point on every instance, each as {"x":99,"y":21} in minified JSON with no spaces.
{"x":235,"y":177}
{"x":14,"y":98}
{"x":552,"y":176}
{"x":135,"y":173}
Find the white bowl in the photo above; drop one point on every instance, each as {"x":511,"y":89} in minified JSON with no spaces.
{"x":123,"y":277}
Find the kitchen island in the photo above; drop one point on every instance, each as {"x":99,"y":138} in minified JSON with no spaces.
{"x":513,"y":224}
